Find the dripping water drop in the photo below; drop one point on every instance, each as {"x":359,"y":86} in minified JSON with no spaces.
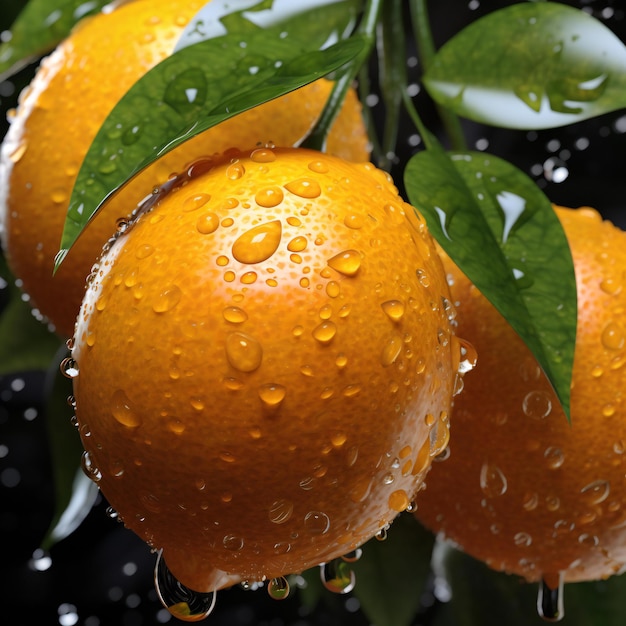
{"x":550,"y":599}
{"x":183,"y":603}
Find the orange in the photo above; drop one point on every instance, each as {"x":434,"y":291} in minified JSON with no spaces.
{"x":265,"y":365}
{"x":59,"y":115}
{"x":522,"y":489}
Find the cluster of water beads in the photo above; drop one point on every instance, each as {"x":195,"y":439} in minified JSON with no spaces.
{"x":192,"y":606}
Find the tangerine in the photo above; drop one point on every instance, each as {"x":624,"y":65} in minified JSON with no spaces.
{"x":60,"y":113}
{"x":263,"y":377}
{"x":524,"y":490}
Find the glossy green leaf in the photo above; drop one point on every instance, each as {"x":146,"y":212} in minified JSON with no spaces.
{"x":501,"y":230}
{"x":481,"y":596}
{"x":25,"y":342}
{"x":75,"y":494}
{"x":197,"y":87}
{"x":40,"y":26}
{"x":531,"y":65}
{"x":391,"y":574}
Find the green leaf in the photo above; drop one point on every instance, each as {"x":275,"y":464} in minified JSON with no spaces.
{"x":391,"y":574}
{"x":531,"y":65}
{"x":75,"y":494}
{"x":480,"y":595}
{"x":40,"y":26}
{"x":194,"y":89}
{"x":502,"y":232}
{"x":25,"y":342}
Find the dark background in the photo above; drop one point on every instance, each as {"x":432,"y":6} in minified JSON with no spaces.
{"x":102,"y":574}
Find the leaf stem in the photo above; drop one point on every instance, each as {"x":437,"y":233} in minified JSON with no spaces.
{"x":392,"y":70}
{"x":426,"y":50}
{"x":316,"y":138}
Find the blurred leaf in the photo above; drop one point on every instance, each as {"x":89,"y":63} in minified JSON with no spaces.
{"x":531,"y":65}
{"x":75,"y":494}
{"x":40,"y":26}
{"x":480,"y":595}
{"x":313,"y":591}
{"x":391,"y":574}
{"x":501,"y":230}
{"x":196,"y":88}
{"x":25,"y":343}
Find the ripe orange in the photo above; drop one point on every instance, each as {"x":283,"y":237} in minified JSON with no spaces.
{"x":522,"y":489}
{"x":73,"y":92}
{"x":265,"y":365}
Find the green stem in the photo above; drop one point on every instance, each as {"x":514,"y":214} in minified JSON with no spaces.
{"x":392,"y":70}
{"x":427,"y":51}
{"x":317,"y":136}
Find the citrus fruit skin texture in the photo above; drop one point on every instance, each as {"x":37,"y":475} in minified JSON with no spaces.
{"x":266,"y":366}
{"x":522,"y":489}
{"x":60,"y":113}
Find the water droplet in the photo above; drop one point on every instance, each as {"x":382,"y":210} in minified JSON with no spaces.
{"x":167,"y":299}
{"x":59,"y":196}
{"x":235,"y":171}
{"x":522,"y":539}
{"x":597,"y":491}
{"x":613,"y":336}
{"x":69,"y":367}
{"x":258,"y":243}
{"x":197,"y":201}
{"x":382,"y":534}
{"x":611,"y":286}
{"x":554,"y":457}
{"x":262,"y":155}
{"x":493,"y":482}
{"x":468,"y":357}
{"x":394,"y":309}
{"x":391,"y":350}
{"x":243,"y":352}
{"x":422,"y":277}
{"x":537,"y":404}
{"x":144,"y":251}
{"x":40,"y":561}
{"x":318,"y":167}
{"x":550,"y":598}
{"x":19,"y":152}
{"x":272,"y":394}
{"x":333,"y":290}
{"x":269,"y":197}
{"x":278,"y":588}
{"x":233,"y":543}
{"x":325,"y":332}
{"x":337,"y":576}
{"x":234,"y":315}
{"x":305,"y":188}
{"x":280,"y":511}
{"x":248,"y":278}
{"x":399,"y":500}
{"x":89,"y":467}
{"x":530,"y":500}
{"x":182,"y":602}
{"x":207,"y":224}
{"x":355,"y":221}
{"x":123,"y":410}
{"x":347,"y":262}
{"x":353,"y":557}
{"x":297,"y":244}
{"x":316,"y":522}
